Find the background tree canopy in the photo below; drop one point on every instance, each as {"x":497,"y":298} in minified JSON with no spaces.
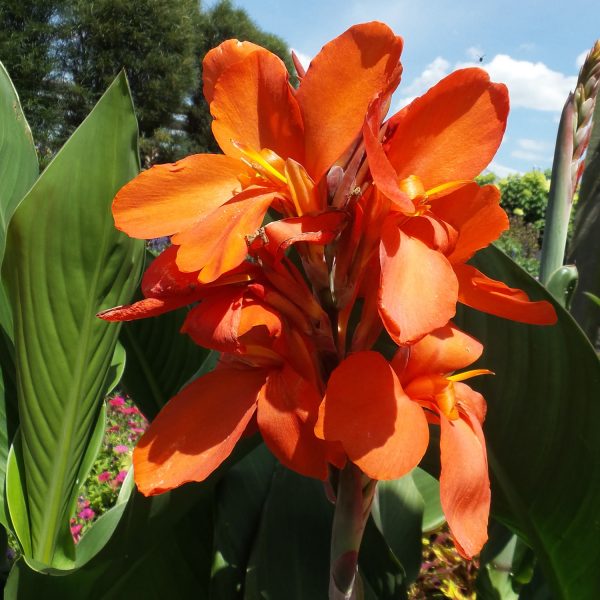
{"x":62,"y":54}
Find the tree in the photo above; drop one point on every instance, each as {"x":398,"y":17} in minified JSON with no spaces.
{"x":223,"y":21}
{"x":28,"y":44}
{"x":151,"y":39}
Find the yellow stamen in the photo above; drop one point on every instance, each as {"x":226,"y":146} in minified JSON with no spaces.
{"x":258,"y":162}
{"x":469,"y":374}
{"x":445,"y":188}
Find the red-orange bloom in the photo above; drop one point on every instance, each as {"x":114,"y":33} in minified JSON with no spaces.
{"x":387,"y":213}
{"x":391,"y":435}
{"x":278,"y":142}
{"x":432,"y":219}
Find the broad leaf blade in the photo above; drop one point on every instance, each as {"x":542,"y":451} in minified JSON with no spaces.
{"x":18,"y":171}
{"x":18,"y":159}
{"x":239,"y":502}
{"x":65,"y":261}
{"x":542,"y":433}
{"x":290,"y":558}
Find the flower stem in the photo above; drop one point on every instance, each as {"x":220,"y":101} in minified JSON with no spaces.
{"x":355,"y":493}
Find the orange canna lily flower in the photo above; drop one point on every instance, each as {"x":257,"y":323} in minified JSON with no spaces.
{"x":278,"y":142}
{"x":395,"y":404}
{"x":430,"y":218}
{"x":269,"y":370}
{"x":386,"y":214}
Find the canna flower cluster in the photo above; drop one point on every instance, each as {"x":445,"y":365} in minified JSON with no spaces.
{"x":322,"y":228}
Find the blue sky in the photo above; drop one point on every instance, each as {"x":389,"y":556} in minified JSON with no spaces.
{"x":533,"y":46}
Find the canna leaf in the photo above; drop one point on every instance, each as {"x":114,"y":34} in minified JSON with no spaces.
{"x":543,"y":444}
{"x":64,"y":263}
{"x":18,"y":171}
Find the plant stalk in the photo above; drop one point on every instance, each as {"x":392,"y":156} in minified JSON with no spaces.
{"x":355,"y":493}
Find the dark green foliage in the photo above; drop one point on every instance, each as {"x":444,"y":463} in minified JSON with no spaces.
{"x":222,"y":22}
{"x":521,"y":243}
{"x":62,"y":54}
{"x":151,"y":39}
{"x":28,"y":44}
{"x":526,"y":196}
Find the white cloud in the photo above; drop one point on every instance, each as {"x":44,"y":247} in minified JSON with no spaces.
{"x":502,"y":170}
{"x":434,"y":71}
{"x":531,"y":85}
{"x":303,"y":58}
{"x":533,"y":150}
{"x":580,"y":59}
{"x":474,"y":53}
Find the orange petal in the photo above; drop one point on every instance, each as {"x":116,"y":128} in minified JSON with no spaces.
{"x":464,"y":482}
{"x":381,"y":429}
{"x":418,"y":290}
{"x":231,"y":318}
{"x":470,"y":400}
{"x":341,"y":81}
{"x":287,"y":410}
{"x":314,"y":229}
{"x":443,"y":351}
{"x":215,"y":322}
{"x":384,"y":174}
{"x":217,"y":243}
{"x":496,"y":298}
{"x":253,"y":104}
{"x":196,"y":430}
{"x":450,"y":133}
{"x":148,"y":307}
{"x":219,"y":59}
{"x":433,"y":232}
{"x":169,"y":198}
{"x":163,"y":277}
{"x":476,"y":214}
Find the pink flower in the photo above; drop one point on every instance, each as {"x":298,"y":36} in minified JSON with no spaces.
{"x":129,"y":410}
{"x":137,"y":430}
{"x":112,"y":429}
{"x":86,"y":514}
{"x":121,"y":449}
{"x":104,"y":476}
{"x":121,"y":476}
{"x":76,"y":531}
{"x":117,"y":401}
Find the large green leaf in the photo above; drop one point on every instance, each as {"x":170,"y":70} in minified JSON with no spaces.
{"x":143,"y":530}
{"x":64,"y":262}
{"x":398,"y":512}
{"x":239,"y":503}
{"x":18,"y":171}
{"x":542,"y":434}
{"x":18,"y":159}
{"x":290,"y":558}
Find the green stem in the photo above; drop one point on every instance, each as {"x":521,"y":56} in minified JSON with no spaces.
{"x":355,"y":493}
{"x":560,"y":198}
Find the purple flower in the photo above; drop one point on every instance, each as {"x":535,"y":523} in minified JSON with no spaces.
{"x":121,"y":448}
{"x":86,"y":514}
{"x":117,"y":401}
{"x":104,"y":476}
{"x":121,"y":476}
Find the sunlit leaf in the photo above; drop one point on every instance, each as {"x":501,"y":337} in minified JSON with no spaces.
{"x":64,"y":262}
